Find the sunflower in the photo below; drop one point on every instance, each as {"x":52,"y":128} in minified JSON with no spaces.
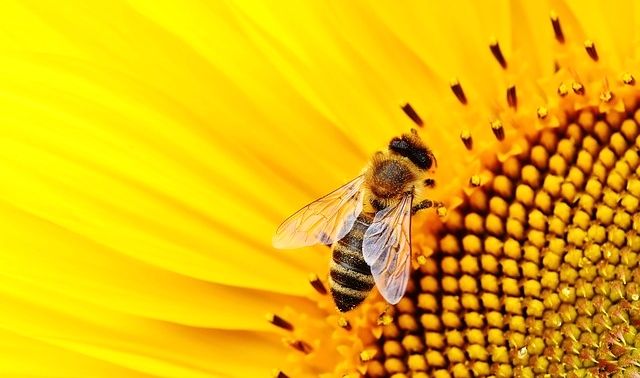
{"x":149,"y":150}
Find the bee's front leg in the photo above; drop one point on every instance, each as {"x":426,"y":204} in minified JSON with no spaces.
{"x":425,"y":204}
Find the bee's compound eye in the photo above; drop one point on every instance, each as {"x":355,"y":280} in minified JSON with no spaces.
{"x":422,"y":160}
{"x":419,"y":155}
{"x":398,"y":145}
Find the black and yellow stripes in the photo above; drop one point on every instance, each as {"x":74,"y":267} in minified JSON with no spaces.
{"x":350,"y":277}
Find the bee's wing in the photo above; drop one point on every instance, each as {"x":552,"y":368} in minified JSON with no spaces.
{"x":325,"y":220}
{"x":387,"y":249}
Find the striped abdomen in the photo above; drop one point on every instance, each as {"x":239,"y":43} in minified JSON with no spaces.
{"x":350,"y":277}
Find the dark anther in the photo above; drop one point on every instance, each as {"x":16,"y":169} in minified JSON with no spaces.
{"x":300,"y":345}
{"x":317,"y":284}
{"x":628,"y":79}
{"x":430,"y":183}
{"x":465,"y":136}
{"x":606,"y":96}
{"x":457,"y":90}
{"x":557,"y":29}
{"x":411,"y":113}
{"x":279,"y":374}
{"x":498,"y":130}
{"x":542,"y":112}
{"x":512,"y":98}
{"x":577,"y":88}
{"x":591,"y":50}
{"x":563,"y":90}
{"x":279,"y":322}
{"x":344,"y":323}
{"x":497,"y":53}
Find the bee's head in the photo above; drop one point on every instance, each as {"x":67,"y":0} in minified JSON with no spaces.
{"x":412,"y":147}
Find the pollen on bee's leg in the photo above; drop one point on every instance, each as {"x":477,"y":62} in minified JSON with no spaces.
{"x":425,"y":204}
{"x":465,"y":136}
{"x":512,"y":98}
{"x":412,"y":114}
{"x":457,"y":90}
{"x":279,"y":322}
{"x":557,"y":28}
{"x":498,"y":129}
{"x":591,"y":49}
{"x":494,"y":46}
{"x":317,"y":284}
{"x":299,"y":345}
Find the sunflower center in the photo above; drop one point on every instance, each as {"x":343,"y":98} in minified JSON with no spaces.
{"x":537,"y":272}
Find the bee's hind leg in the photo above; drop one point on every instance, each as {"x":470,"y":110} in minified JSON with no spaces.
{"x":425,"y":204}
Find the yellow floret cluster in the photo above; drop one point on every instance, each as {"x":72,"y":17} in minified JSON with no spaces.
{"x":536,"y":274}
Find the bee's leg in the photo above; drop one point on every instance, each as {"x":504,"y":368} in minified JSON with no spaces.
{"x":430,"y":183}
{"x":425,"y":204}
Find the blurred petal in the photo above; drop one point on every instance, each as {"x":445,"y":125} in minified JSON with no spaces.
{"x":148,"y":151}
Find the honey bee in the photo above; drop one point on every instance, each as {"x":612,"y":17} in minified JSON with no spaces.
{"x":368,"y":223}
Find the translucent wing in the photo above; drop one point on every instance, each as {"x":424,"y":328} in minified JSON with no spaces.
{"x":387,"y":249}
{"x":324,"y":221}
